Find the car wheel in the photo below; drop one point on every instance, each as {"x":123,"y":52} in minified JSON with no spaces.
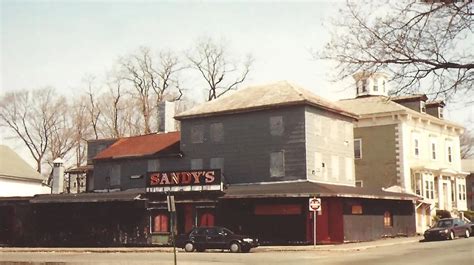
{"x":467,"y":234}
{"x":451,"y":235}
{"x":234,"y":247}
{"x":189,"y":247}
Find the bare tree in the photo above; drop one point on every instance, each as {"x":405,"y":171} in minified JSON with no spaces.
{"x":167,"y":73}
{"x":31,"y":116}
{"x":82,"y":129}
{"x":467,"y":145}
{"x":93,"y":106}
{"x":419,"y":43}
{"x":220,"y":72}
{"x":63,"y":131}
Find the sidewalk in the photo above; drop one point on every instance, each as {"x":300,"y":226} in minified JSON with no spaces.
{"x":340,"y":247}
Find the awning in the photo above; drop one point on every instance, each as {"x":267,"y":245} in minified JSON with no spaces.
{"x":309,"y":189}
{"x":95,"y":197}
{"x":80,"y":169}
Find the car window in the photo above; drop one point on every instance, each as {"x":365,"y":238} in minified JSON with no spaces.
{"x":444,"y":223}
{"x":227,"y":231}
{"x":212,"y":232}
{"x":197,"y":231}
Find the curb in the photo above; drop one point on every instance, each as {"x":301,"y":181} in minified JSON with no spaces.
{"x":326,"y":248}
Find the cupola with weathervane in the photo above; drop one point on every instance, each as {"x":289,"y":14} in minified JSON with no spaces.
{"x":371,"y":84}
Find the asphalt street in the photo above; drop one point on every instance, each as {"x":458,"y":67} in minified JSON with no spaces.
{"x":456,"y":252}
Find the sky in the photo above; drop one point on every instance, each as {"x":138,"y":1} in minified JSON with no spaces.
{"x":58,"y":43}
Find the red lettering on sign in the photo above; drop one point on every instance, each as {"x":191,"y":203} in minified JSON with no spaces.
{"x":175,"y":178}
{"x":154,"y":179}
{"x":186,"y":177}
{"x":164,"y":179}
{"x":196,"y":176}
{"x":210,"y":177}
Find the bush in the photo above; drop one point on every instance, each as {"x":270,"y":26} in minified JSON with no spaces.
{"x":443,"y":214}
{"x":469,"y":215}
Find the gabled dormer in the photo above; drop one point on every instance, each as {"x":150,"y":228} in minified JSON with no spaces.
{"x":414,"y":102}
{"x":435,"y":108}
{"x":371,"y":84}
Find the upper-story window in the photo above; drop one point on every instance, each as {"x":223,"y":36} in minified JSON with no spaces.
{"x":197,"y":134}
{"x":277,"y":164}
{"x":422,"y":107}
{"x":440,"y":112}
{"x":383,"y":86}
{"x":376,"y":85}
{"x":364,"y":85}
{"x":433,"y":150}
{"x":416,"y":144}
{"x":217,"y":132}
{"x":358,"y":148}
{"x":462,"y":191}
{"x":450,"y":154}
{"x":276,"y":126}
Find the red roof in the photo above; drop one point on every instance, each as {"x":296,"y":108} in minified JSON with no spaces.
{"x":142,"y":145}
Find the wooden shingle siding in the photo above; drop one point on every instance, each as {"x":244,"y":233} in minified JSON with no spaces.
{"x":248,"y":142}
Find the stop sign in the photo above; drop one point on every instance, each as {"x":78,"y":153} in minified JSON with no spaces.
{"x":315,"y":204}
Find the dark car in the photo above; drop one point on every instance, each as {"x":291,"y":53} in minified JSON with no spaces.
{"x":202,"y":238}
{"x":448,"y":228}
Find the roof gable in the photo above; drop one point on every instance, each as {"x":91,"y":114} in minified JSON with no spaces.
{"x":255,"y":98}
{"x":143,"y":145}
{"x":13,"y":166}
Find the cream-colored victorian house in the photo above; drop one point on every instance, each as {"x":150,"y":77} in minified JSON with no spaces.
{"x":404,"y":143}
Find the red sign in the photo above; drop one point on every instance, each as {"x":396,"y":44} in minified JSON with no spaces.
{"x":207,"y":177}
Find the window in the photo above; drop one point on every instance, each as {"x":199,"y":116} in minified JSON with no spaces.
{"x":217,"y":132}
{"x":277,"y":164}
{"x":356,"y":209}
{"x":317,"y":125}
{"x":440,"y":113}
{"x":217,"y":163}
{"x":153,"y":165}
{"x":196,"y":163}
{"x":387,"y":219}
{"x":383,"y":86}
{"x":364,"y":85}
{"x":197,"y":134}
{"x":417,"y":182}
{"x":357,"y":148}
{"x":433,"y":151}
{"x":359,"y":183}
{"x":160,"y":223}
{"x":376,"y":85}
{"x":335,"y":166}
{"x":276,"y":126}
{"x":422,"y":107}
{"x":462,"y":191}
{"x":429,"y":189}
{"x":417,"y":147}
{"x":450,"y":154}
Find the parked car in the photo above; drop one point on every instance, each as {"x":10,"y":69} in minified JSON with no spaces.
{"x":202,"y":238}
{"x":448,"y":228}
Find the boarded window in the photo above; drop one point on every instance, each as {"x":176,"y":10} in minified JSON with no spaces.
{"x":335,"y":166}
{"x":160,"y":223}
{"x":276,"y":126}
{"x":357,"y":148}
{"x":217,"y":163}
{"x":153,"y":165}
{"x":356,"y":209}
{"x":115,"y":175}
{"x":197,"y":134}
{"x":387,"y":219}
{"x":277,"y":164}
{"x":217,"y":132}
{"x":196,"y":163}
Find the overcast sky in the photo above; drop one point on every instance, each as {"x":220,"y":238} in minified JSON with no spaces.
{"x":56,"y":43}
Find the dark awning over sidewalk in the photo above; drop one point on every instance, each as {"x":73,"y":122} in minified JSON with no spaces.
{"x":309,"y":189}
{"x":120,"y":196}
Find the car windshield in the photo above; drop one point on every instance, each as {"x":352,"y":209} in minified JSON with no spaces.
{"x":444,"y":223}
{"x":227,"y":231}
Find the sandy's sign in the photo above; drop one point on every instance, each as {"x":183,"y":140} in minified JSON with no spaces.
{"x":190,"y":180}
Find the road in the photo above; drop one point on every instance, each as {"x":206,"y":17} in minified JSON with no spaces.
{"x":458,"y":252}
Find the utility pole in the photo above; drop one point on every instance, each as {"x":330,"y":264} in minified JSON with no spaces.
{"x":172,"y":211}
